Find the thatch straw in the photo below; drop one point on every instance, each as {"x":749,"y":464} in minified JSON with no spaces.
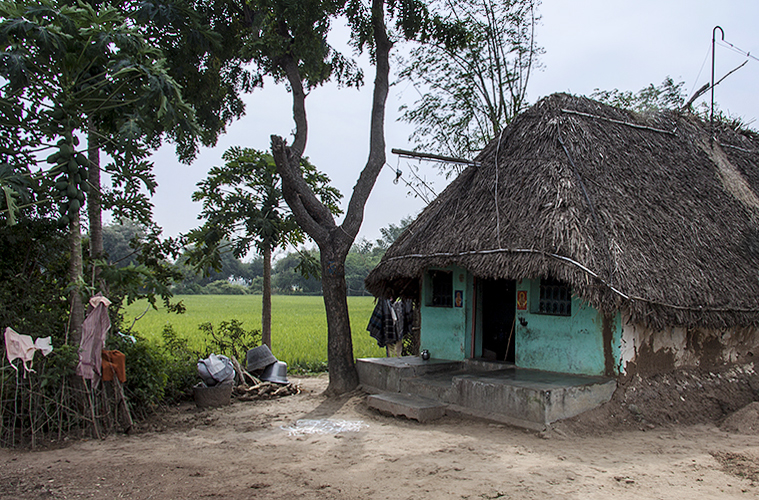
{"x":636,"y":212}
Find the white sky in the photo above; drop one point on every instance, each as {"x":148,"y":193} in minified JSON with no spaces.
{"x":589,"y":44}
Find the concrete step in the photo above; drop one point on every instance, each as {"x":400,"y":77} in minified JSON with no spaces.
{"x":407,"y":405}
{"x":432,"y":386}
{"x":385,"y":374}
{"x":531,"y":398}
{"x":498,"y":391}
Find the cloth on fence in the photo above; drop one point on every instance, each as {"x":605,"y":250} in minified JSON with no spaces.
{"x":94,"y":329}
{"x":390,"y":322}
{"x":114,"y":363}
{"x":381,"y":326}
{"x":44,"y":345}
{"x":404,"y":317}
{"x":22,"y":347}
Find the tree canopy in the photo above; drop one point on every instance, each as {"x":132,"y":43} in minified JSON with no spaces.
{"x":468,"y":94}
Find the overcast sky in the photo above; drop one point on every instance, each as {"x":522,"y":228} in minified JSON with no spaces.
{"x":589,"y":44}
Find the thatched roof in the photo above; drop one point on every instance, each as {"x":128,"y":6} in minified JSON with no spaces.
{"x":637,"y":212}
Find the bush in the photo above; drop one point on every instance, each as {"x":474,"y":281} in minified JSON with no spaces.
{"x":224,"y":287}
{"x":157,"y":374}
{"x":182,"y":368}
{"x":147,"y":372}
{"x":230,"y":339}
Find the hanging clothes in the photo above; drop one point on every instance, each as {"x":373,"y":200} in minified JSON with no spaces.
{"x":94,"y":329}
{"x":404,"y":317}
{"x":22,"y":347}
{"x":390,"y":323}
{"x":381,"y":325}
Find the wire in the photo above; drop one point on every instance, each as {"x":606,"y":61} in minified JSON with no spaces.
{"x":736,"y":49}
{"x":408,"y":184}
{"x":706,"y":58}
{"x":574,"y":263}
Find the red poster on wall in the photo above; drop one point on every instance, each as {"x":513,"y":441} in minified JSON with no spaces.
{"x":522,"y":300}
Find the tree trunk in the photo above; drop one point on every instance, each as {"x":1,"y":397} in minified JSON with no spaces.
{"x":315,"y":218}
{"x":266,"y":306}
{"x":75,"y":275}
{"x":343,"y":376}
{"x":94,"y":208}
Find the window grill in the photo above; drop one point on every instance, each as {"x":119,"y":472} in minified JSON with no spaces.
{"x":442,"y":288}
{"x":555,"y":297}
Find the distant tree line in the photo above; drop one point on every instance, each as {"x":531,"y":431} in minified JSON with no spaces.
{"x":238,"y":277}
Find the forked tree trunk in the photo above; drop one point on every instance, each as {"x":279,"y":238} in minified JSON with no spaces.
{"x":266,"y":306}
{"x":315,"y":218}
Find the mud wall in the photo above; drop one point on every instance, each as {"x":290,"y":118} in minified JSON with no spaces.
{"x":648,"y":352}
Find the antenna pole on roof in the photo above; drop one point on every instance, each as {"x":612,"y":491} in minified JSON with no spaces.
{"x":428,"y":156}
{"x":711,"y":112}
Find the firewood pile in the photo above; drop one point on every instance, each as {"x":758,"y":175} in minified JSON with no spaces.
{"x":251,"y":388}
{"x":264,"y":390}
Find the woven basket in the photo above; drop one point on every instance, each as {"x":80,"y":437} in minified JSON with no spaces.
{"x":218,"y":395}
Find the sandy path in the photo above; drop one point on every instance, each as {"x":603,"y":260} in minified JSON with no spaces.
{"x":241,"y":452}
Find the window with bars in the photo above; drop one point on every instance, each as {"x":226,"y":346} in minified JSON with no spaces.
{"x":442,"y":288}
{"x":555,"y":298}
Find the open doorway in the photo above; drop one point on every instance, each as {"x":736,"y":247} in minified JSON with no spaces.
{"x":498,"y":315}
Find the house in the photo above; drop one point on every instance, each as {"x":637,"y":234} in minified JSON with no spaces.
{"x":590,"y":240}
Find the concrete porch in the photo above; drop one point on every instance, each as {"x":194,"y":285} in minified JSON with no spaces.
{"x":425,"y":390}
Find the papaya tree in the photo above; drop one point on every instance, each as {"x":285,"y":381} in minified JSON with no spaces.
{"x":201,"y":43}
{"x":62,"y":65}
{"x":243,"y":208}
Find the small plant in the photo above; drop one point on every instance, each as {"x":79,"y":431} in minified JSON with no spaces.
{"x":230,"y":339}
{"x":147,"y":372}
{"x":182,"y":365}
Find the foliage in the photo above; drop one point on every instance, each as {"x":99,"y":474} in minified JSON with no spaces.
{"x":33,"y":273}
{"x":468,"y":95}
{"x":202,"y":42}
{"x":224,"y":287}
{"x":229,"y":339}
{"x":668,"y":95}
{"x":148,"y":371}
{"x":62,"y":65}
{"x":362,"y":258}
{"x":149,"y":275}
{"x":232,"y":268}
{"x":392,"y":232}
{"x":298,"y":322}
{"x":181,"y":366}
{"x":288,"y":277}
{"x":117,"y":242}
{"x":243,"y":207}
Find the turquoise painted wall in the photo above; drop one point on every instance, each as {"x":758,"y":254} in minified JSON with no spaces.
{"x":446,"y":331}
{"x":565,"y":344}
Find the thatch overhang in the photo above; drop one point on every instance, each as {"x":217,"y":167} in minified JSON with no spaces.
{"x":638,"y":212}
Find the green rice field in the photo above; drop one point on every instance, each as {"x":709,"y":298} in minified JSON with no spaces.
{"x":299,"y":324}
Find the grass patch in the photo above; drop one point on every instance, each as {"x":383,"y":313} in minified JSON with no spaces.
{"x":299,"y":324}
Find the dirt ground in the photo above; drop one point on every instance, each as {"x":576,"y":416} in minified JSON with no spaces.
{"x":258,"y":450}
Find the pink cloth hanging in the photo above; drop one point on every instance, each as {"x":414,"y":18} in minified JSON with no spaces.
{"x":94,"y":330}
{"x":22,"y":347}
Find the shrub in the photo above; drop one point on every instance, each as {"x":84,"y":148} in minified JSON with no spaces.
{"x":230,"y":339}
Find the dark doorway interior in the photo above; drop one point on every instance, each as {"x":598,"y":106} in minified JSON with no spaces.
{"x":498,"y":314}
